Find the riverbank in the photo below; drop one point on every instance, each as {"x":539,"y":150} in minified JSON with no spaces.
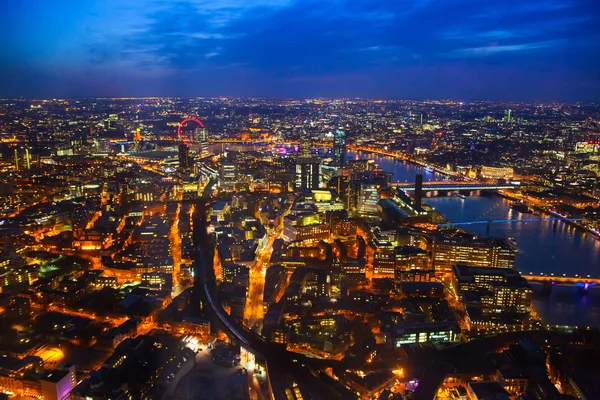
{"x":399,"y":157}
{"x":594,"y":234}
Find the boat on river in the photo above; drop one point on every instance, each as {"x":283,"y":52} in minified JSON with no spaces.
{"x":522,"y":208}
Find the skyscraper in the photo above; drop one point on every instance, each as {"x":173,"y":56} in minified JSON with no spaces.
{"x":201,"y":138}
{"x":308,"y":167}
{"x":368,"y":197}
{"x":184,"y":156}
{"x":305,"y":145}
{"x":339,"y":147}
{"x":22,"y":159}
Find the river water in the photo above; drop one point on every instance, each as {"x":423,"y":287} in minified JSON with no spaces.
{"x":544,"y":247}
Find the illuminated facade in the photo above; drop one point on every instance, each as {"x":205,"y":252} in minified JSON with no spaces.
{"x":368,"y":197}
{"x":412,"y":265}
{"x":384,"y":263}
{"x":228,"y":174}
{"x":339,"y":147}
{"x":492,"y":253}
{"x":305,"y":226}
{"x":432,"y":332}
{"x":492,"y":290}
{"x":308,"y":167}
{"x":201,"y":141}
{"x":308,"y":173}
{"x":506,"y":173}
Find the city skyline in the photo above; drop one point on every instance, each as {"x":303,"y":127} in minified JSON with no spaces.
{"x":300,"y":199}
{"x":169,"y":247}
{"x":523,"y":51}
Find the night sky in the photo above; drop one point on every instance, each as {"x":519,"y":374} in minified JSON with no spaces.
{"x":530,"y":50}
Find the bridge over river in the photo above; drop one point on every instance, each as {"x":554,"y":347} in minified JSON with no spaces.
{"x":454,"y":185}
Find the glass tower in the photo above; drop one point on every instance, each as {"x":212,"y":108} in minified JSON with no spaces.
{"x":339,"y":147}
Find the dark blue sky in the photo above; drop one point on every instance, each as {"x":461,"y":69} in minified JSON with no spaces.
{"x":534,"y":50}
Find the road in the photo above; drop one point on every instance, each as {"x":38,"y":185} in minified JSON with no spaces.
{"x":175,"y":238}
{"x":113,"y":320}
{"x":254,"y":311}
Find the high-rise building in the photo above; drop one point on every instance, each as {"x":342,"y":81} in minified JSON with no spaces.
{"x":201,"y":139}
{"x":229,"y":171}
{"x":22,"y":159}
{"x":367,"y":199}
{"x":17,"y":160}
{"x":491,"y":253}
{"x":228,"y":175}
{"x":27,"y":158}
{"x":304,"y":149}
{"x":184,"y":156}
{"x":308,"y":167}
{"x":112,"y":121}
{"x":308,"y":173}
{"x":339,"y":147}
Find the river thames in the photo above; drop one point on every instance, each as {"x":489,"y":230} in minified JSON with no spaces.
{"x":544,"y":247}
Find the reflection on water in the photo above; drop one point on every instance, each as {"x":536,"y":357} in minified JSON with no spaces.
{"x":548,"y":247}
{"x":565,"y":305}
{"x":402,"y":171}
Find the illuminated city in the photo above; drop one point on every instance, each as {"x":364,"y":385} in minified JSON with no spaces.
{"x":308,"y":247}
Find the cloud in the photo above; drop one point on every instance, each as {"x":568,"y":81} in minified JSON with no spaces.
{"x":495,"y":49}
{"x":216,"y":43}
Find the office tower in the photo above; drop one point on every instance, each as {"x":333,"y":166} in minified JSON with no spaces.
{"x":308,"y":167}
{"x":368,"y":197}
{"x":508,"y":115}
{"x":418,"y":191}
{"x":22,"y":159}
{"x":339,"y":147}
{"x":229,"y":171}
{"x":184,"y":156}
{"x":308,"y":173}
{"x":305,"y":145}
{"x":490,"y":253}
{"x":201,"y":138}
